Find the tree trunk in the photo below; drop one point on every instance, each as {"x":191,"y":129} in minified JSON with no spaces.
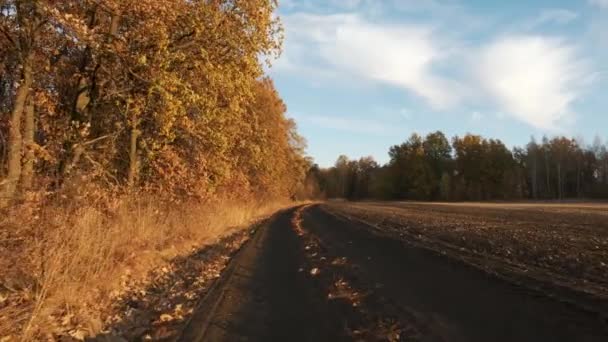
{"x":605,"y":170}
{"x":547,"y":170}
{"x":83,"y":88}
{"x":29,"y":130}
{"x":77,"y":151}
{"x":534,"y":178}
{"x":559,"y":181}
{"x":114,"y":25}
{"x":133,"y":158}
{"x":10,"y":184}
{"x":86,"y":82}
{"x":578,"y":179}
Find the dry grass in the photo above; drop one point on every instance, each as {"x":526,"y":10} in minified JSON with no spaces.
{"x":63,"y":265}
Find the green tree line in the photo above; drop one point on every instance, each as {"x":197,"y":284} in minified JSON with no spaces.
{"x":472,"y":168}
{"x":163,"y":96}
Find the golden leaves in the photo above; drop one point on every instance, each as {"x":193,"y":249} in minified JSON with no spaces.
{"x":185,"y":74}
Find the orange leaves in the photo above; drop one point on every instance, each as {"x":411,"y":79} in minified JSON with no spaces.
{"x":184,"y":75}
{"x":272,"y":163}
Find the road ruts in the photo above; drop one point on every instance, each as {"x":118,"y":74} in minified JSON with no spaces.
{"x":264,"y":295}
{"x":267,"y":293}
{"x":457,"y":301}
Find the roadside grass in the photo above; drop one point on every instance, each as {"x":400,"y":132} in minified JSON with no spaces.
{"x":62,"y":266}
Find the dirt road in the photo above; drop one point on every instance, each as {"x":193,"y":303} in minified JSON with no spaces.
{"x":309,"y":275}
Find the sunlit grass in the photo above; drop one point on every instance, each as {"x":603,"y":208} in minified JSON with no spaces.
{"x":71,"y":262}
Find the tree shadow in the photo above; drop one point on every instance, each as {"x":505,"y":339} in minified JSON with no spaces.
{"x":159,"y":311}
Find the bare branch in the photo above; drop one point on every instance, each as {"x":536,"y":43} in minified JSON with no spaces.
{"x":8,"y":37}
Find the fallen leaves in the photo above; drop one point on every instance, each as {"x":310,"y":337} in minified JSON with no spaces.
{"x":296,"y":221}
{"x":157,"y":307}
{"x":365,"y":315}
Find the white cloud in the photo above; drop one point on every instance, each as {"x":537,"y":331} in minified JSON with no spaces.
{"x":476,"y":116}
{"x":533,"y":78}
{"x":400,"y":55}
{"x":599,"y":3}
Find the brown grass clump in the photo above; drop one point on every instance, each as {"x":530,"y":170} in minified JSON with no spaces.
{"x":62,"y":265}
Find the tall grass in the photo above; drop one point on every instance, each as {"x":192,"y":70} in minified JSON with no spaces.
{"x":65,"y":264}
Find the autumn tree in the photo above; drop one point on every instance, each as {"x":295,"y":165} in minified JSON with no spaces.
{"x":162,"y":96}
{"x":475,"y":168}
{"x":532,"y":159}
{"x":349,"y":179}
{"x":22,"y":24}
{"x":438,"y":156}
{"x":271,"y":152}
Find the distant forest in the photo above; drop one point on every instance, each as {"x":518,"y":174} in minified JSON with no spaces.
{"x":471,"y":168}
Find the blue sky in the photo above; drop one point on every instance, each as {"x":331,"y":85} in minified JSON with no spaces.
{"x":361,"y":75}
